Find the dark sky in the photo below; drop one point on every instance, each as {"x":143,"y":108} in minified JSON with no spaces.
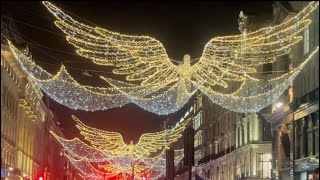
{"x":182,"y":28}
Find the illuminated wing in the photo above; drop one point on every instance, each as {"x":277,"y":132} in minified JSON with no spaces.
{"x":230,"y":58}
{"x":79,"y":149}
{"x":105,"y":141}
{"x":87,"y":169}
{"x":142,"y":58}
{"x":152,"y":142}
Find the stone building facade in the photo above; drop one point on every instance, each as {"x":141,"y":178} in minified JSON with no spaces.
{"x":236,"y":145}
{"x":295,"y":116}
{"x":28,"y":151}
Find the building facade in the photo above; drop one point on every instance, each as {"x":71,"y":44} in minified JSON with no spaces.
{"x":230,"y":145}
{"x":227,"y":145}
{"x":295,"y":116}
{"x":28,"y":151}
{"x":235,"y":145}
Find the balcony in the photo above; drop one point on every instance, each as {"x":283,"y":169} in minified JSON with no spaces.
{"x":308,"y":98}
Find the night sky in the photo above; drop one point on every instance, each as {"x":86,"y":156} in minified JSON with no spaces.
{"x":182,"y":28}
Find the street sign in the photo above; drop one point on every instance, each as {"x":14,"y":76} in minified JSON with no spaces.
{"x":4,"y":172}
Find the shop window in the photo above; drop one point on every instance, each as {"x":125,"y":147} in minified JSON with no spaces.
{"x":264,"y":165}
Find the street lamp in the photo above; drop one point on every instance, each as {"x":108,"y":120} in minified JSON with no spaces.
{"x":279,"y":104}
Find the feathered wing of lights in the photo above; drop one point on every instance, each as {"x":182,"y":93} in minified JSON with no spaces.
{"x":111,"y":154}
{"x":112,"y":142}
{"x":67,"y":91}
{"x":79,"y":149}
{"x":87,"y":169}
{"x":155,"y":170}
{"x":225,"y":61}
{"x":255,"y":94}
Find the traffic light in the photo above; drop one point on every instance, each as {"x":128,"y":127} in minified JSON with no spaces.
{"x":40,"y":178}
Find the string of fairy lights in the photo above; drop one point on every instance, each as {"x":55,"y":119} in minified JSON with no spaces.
{"x":113,"y":156}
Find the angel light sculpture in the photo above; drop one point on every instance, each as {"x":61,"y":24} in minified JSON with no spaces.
{"x":225,"y":72}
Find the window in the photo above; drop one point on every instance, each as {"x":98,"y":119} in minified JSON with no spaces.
{"x":248,"y":132}
{"x":313,"y":78}
{"x":305,"y":80}
{"x":316,"y":76}
{"x":310,"y":135}
{"x":242,"y":134}
{"x":197,"y":121}
{"x":306,"y":41}
{"x":198,"y":138}
{"x":200,"y":102}
{"x":302,"y":138}
{"x":222,"y":171}
{"x":317,"y":29}
{"x":264,"y":165}
{"x":238,"y":168}
{"x":218,"y":177}
{"x":238,"y":137}
{"x":316,"y":132}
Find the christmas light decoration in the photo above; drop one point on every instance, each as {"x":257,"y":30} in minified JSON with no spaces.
{"x":85,"y":168}
{"x":255,"y":94}
{"x":65,"y":90}
{"x":113,"y":156}
{"x":79,"y":150}
{"x":225,"y":60}
{"x":112,"y":142}
{"x":160,"y":86}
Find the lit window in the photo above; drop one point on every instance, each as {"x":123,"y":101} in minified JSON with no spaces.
{"x":198,"y":138}
{"x":197,"y":121}
{"x":264,"y":166}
